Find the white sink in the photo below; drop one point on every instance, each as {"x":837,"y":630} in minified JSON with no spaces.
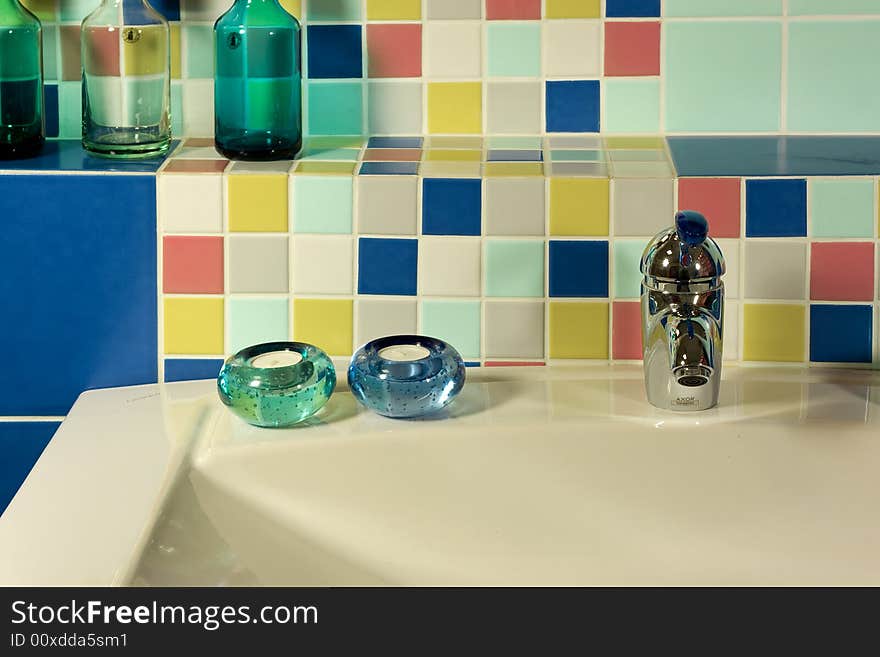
{"x":561,"y":475}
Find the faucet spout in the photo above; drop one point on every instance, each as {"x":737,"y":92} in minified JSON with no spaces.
{"x":691,"y":345}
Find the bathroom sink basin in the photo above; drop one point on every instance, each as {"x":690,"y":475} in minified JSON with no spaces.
{"x":559,"y":475}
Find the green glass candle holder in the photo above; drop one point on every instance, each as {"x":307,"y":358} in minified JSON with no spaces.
{"x":277,"y":384}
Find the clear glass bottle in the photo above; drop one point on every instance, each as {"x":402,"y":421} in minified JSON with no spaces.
{"x":126,"y":87}
{"x":22,"y":127}
{"x":258,"y":82}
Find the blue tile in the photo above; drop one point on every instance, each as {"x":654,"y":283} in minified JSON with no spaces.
{"x":503,"y":155}
{"x":79,"y":287}
{"x":469,"y":363}
{"x":387,"y":266}
{"x":50,"y":99}
{"x":776,"y":156}
{"x":191,"y":369}
{"x":451,"y":206}
{"x":776,"y":208}
{"x":578,"y":269}
{"x":632,"y":8}
{"x":170,"y":9}
{"x":395,"y":142}
{"x":841,"y":334}
{"x":21,"y":444}
{"x":68,"y":155}
{"x":573,"y":106}
{"x":334,"y":51}
{"x":389,"y":168}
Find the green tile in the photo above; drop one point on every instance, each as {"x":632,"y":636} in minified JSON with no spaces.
{"x":632,"y":105}
{"x":254,"y":321}
{"x":333,"y":10}
{"x":335,"y":108}
{"x":841,"y":208}
{"x":322,"y":204}
{"x":514,"y":268}
{"x":456,"y":322}
{"x":176,"y":108}
{"x":76,"y":10}
{"x":70,"y":110}
{"x":45,"y":10}
{"x":723,"y":76}
{"x":833,"y":8}
{"x":198,"y":49}
{"x":514,"y":49}
{"x":50,"y":53}
{"x":832,"y":88}
{"x":627,"y":277}
{"x":145,"y":100}
{"x":676,"y":8}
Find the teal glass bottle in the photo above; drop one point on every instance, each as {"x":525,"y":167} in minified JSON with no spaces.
{"x":258,"y":82}
{"x":126,"y":91}
{"x":22,"y":127}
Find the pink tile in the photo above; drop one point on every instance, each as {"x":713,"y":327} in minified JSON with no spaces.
{"x":192,"y":265}
{"x":101,"y":51}
{"x":717,"y":198}
{"x":394,"y":50}
{"x":842,"y":271}
{"x":393,"y":155}
{"x":513,"y":10}
{"x":632,"y":48}
{"x":626,"y":340}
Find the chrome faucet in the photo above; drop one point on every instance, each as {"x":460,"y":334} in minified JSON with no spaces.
{"x":683,"y":315}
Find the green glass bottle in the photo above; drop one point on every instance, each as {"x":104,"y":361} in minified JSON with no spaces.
{"x":258,"y":82}
{"x":22,"y":128}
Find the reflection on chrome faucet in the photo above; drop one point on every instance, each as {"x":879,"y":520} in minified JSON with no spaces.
{"x":682,"y":316}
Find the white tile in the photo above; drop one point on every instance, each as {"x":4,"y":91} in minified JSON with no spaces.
{"x":106,"y":102}
{"x":395,"y":107}
{"x":198,"y":153}
{"x":571,"y":47}
{"x":453,"y":50}
{"x":514,"y":107}
{"x":775,"y":269}
{"x":731,"y":330}
{"x":388,"y":205}
{"x":514,"y":329}
{"x":456,"y":9}
{"x":515,"y":206}
{"x":322,"y":264}
{"x":730,"y":248}
{"x":202,"y":10}
{"x":378,"y":318}
{"x":191,"y":203}
{"x":449,"y":266}
{"x":198,"y":108}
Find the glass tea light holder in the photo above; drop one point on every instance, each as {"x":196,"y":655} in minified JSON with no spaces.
{"x":277,"y":384}
{"x":406,"y":376}
{"x":22,"y":131}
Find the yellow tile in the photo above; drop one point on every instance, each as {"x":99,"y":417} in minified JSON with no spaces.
{"x":394,"y":10}
{"x":144,"y":51}
{"x":573,"y":9}
{"x":445,"y":142}
{"x":193,"y":325}
{"x":514,"y":169}
{"x":258,"y":203}
{"x":293,"y":7}
{"x":579,"y":206}
{"x":774,"y":332}
{"x":617,"y":143}
{"x":455,"y":108}
{"x":325,"y":323}
{"x":453,"y":155}
{"x":323,"y":168}
{"x":175,"y":50}
{"x":579,"y":329}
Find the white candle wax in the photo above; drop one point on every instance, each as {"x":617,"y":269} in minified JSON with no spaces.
{"x":275,"y":359}
{"x":404,"y":353}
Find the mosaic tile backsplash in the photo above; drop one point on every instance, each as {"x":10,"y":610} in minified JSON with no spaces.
{"x":532,"y":66}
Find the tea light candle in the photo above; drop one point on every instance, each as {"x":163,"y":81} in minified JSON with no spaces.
{"x":275,"y":359}
{"x":404,"y":353}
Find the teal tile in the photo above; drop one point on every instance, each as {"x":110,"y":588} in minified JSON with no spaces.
{"x":254,"y":321}
{"x":723,"y":76}
{"x":146,"y":100}
{"x":514,"y":268}
{"x":514,"y":49}
{"x":198,"y":49}
{"x":627,"y":277}
{"x":176,"y":108}
{"x":50,"y":53}
{"x":76,"y":10}
{"x":833,"y":88}
{"x":678,"y":8}
{"x":841,"y":208}
{"x":336,"y":108}
{"x":456,"y":322}
{"x":835,"y":8}
{"x":632,"y":105}
{"x":333,"y":10}
{"x":322,"y":204}
{"x":70,"y":110}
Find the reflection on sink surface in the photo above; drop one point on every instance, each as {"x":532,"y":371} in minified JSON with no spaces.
{"x":564,"y":476}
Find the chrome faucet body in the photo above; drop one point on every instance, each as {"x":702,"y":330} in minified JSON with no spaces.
{"x":683,"y":316}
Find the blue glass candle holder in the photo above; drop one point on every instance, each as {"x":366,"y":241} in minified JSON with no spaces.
{"x":277,"y":384}
{"x":406,"y":376}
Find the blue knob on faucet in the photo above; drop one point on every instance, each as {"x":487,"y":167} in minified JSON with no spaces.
{"x":692,"y":227}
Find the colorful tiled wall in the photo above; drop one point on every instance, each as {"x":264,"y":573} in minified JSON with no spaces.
{"x":532,"y":66}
